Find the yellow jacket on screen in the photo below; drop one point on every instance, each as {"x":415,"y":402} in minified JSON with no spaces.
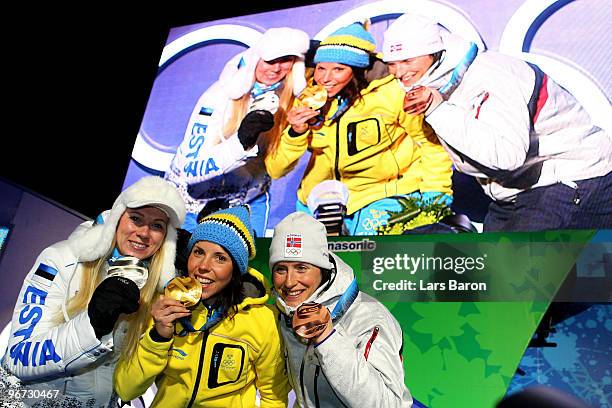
{"x":221,"y":367}
{"x":376,"y":149}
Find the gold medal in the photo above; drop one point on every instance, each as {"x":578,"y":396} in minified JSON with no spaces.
{"x":185,"y":289}
{"x":314,"y":97}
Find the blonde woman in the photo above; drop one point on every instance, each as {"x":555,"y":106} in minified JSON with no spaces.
{"x":87,"y":299}
{"x":236,"y":123}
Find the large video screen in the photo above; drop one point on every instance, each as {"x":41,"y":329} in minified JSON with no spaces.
{"x":474,"y":309}
{"x":569,"y":40}
{"x":4,"y":231}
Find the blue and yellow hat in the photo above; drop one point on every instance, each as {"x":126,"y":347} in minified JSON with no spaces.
{"x":230,"y":228}
{"x":350,"y":45}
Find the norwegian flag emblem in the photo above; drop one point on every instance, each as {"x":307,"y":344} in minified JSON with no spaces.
{"x":396,"y":47}
{"x":293,"y":245}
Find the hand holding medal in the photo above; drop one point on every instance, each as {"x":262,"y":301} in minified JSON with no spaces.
{"x":129,"y":267}
{"x":307,"y":107}
{"x":310,"y":320}
{"x":314,"y":97}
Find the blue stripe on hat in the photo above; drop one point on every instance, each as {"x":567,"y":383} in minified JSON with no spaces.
{"x":230,"y":228}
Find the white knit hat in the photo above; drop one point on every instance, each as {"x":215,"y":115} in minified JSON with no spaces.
{"x":410,"y":36}
{"x":238,"y":75}
{"x":95,"y":241}
{"x":300,"y":238}
{"x":278,"y":42}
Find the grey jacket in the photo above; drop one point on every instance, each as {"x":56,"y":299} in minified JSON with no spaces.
{"x":358,"y":365}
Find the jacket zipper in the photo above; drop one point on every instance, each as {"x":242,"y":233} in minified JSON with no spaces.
{"x":199,"y":375}
{"x":316,"y":391}
{"x":336,"y":171}
{"x":302,"y":380}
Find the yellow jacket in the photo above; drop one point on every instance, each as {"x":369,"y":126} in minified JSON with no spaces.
{"x":226,"y":363}
{"x":376,"y":149}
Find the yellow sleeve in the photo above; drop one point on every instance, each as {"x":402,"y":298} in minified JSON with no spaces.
{"x":287,"y":154}
{"x":436,"y":164}
{"x":134,"y":376}
{"x":272,"y":381}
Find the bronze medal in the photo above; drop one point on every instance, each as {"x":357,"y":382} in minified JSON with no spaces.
{"x":185,"y":289}
{"x":310,"y":320}
{"x":314,"y":97}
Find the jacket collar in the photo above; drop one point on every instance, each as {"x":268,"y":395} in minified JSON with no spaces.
{"x":327,"y":294}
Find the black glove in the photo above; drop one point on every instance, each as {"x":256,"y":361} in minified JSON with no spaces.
{"x":113,"y":296}
{"x":252,"y":125}
{"x":182,"y":240}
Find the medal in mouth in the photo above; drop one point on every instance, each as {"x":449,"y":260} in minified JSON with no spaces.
{"x":185,"y":289}
{"x":314,"y":97}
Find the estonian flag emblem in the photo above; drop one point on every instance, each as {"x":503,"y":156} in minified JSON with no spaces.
{"x":44,"y":274}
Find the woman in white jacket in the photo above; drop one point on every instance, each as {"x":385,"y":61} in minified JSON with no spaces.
{"x":221,"y":155}
{"x":527,"y":141}
{"x":86,"y":299}
{"x":342,"y":347}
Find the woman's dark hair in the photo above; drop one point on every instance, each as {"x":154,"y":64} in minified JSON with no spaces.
{"x":231,"y":295}
{"x":352,"y":90}
{"x":325,"y":275}
{"x":437,"y":56}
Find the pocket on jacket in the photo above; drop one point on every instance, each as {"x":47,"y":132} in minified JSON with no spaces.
{"x":226,"y":365}
{"x":362,"y":134}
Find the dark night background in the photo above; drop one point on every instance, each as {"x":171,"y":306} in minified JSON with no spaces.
{"x":76,"y":85}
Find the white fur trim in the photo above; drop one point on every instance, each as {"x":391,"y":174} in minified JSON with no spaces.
{"x":237,"y":82}
{"x":157,"y":192}
{"x":168,"y":270}
{"x":278,"y":42}
{"x":299,"y":76}
{"x":90,"y":242}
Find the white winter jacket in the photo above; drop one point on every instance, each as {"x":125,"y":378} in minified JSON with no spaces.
{"x":513,"y":128}
{"x":206,"y":164}
{"x":358,"y":365}
{"x":45,"y":351}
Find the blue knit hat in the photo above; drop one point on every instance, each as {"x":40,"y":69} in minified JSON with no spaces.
{"x":230,"y":228}
{"x":350,"y":45}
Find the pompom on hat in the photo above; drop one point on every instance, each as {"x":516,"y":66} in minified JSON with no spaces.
{"x":230,"y":228}
{"x":351,"y":45}
{"x":300,"y":238}
{"x":238,"y":75}
{"x":92,"y":241}
{"x":411,"y":35}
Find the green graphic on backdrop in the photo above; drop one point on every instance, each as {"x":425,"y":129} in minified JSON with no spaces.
{"x":501,"y":271}
{"x":461,"y":349}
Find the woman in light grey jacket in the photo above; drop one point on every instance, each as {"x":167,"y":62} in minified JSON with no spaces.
{"x":342,"y":347}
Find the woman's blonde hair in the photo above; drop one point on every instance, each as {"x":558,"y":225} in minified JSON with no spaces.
{"x":136,"y":322}
{"x":240,"y":106}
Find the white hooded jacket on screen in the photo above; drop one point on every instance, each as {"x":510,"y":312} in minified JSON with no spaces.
{"x":48,"y":350}
{"x":506,"y":122}
{"x":487,"y":119}
{"x":205,"y":155}
{"x":359,"y":364}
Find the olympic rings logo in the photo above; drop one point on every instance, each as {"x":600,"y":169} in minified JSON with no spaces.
{"x":293,"y":252}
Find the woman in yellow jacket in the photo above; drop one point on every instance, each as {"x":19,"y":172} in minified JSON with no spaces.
{"x":361,"y":137}
{"x":228,"y":347}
